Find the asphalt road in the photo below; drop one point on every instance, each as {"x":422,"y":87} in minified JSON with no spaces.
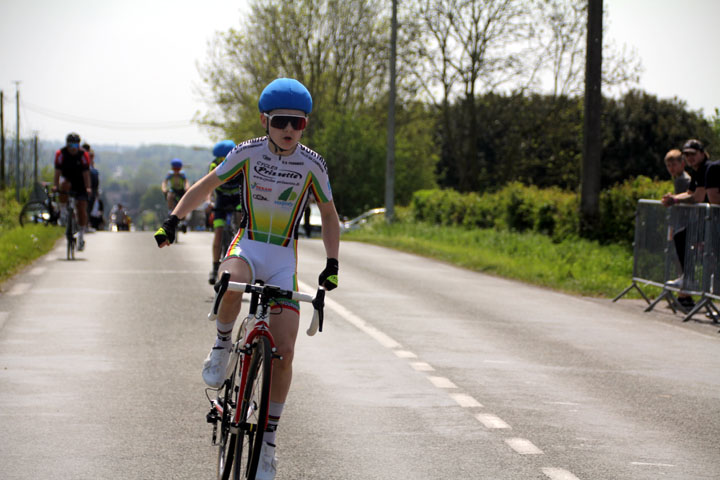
{"x":424,"y":371}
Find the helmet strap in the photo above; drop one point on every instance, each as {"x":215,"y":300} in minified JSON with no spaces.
{"x":278,"y":147}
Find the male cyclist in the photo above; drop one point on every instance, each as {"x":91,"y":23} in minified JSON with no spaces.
{"x":72,"y":177}
{"x":227,"y":201}
{"x":276,"y":174}
{"x":175,"y":184}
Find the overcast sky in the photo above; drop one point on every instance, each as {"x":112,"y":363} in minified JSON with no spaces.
{"x":124,"y":71}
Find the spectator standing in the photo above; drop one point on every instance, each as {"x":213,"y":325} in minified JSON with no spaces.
{"x":675,"y":164}
{"x":94,"y":186}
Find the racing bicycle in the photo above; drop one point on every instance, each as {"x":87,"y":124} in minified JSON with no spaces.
{"x":239,"y":408}
{"x":43,"y":211}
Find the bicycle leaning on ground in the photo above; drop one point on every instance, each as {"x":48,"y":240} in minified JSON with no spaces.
{"x":43,"y":211}
{"x":239,"y":411}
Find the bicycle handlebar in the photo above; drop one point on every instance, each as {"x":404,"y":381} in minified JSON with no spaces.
{"x":271,"y":291}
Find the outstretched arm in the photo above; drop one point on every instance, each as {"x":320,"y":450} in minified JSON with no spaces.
{"x":197,"y":194}
{"x":330,"y":229}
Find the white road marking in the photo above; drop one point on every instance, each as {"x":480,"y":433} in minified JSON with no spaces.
{"x":3,"y":318}
{"x":19,"y":289}
{"x":442,"y":382}
{"x":465,"y":400}
{"x":422,"y":366}
{"x":572,"y":404}
{"x":491,"y":421}
{"x":405,"y":354}
{"x":645,"y":464}
{"x":558,"y":474}
{"x":350,"y":317}
{"x":523,"y":446}
{"x":38,"y":270}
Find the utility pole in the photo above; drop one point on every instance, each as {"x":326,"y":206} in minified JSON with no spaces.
{"x":2,"y":141}
{"x":592,"y":143}
{"x":17,"y":140}
{"x":35,"y":161}
{"x":390,"y":160}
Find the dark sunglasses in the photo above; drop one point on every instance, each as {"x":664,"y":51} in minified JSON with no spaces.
{"x":281,"y":121}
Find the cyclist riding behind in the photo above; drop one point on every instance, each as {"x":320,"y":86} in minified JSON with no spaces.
{"x":227,"y":200}
{"x":72,"y":177}
{"x":175,"y":185}
{"x":277,"y":173}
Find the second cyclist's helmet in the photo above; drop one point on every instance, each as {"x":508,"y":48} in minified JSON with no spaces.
{"x":222,"y":148}
{"x":72,"y":138}
{"x":285,"y":93}
{"x":176,"y":163}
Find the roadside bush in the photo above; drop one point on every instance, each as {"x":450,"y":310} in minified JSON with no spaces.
{"x":551,"y":211}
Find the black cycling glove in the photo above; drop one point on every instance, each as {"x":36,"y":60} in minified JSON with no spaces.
{"x":167,"y":231}
{"x":329,"y":277}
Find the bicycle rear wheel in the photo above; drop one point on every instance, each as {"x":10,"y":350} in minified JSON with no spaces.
{"x":254,"y":411}
{"x":34,"y":212}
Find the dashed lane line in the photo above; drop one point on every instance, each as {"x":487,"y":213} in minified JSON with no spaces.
{"x":442,"y":382}
{"x":422,"y":366}
{"x":648,"y":464}
{"x":465,"y":400}
{"x":523,"y":446}
{"x":558,"y":474}
{"x":491,"y":421}
{"x":404,"y":354}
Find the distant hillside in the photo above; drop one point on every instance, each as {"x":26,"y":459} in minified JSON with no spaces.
{"x":132,"y":175}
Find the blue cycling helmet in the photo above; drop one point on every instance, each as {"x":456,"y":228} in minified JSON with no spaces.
{"x":222,"y":148}
{"x":285,"y":93}
{"x":176,"y":163}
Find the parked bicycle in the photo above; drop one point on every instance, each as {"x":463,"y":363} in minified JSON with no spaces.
{"x":43,"y":210}
{"x":239,"y":411}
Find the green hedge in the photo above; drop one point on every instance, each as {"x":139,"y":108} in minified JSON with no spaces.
{"x":551,"y":211}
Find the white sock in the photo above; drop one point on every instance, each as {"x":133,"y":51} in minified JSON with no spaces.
{"x":224,"y":333}
{"x":274,"y":411}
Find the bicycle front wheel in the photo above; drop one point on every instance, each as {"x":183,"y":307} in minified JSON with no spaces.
{"x":34,"y":212}
{"x":227,"y":397}
{"x":254,"y":411}
{"x":70,"y":236}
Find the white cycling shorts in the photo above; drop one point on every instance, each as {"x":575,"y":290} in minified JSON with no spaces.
{"x":273,"y":264}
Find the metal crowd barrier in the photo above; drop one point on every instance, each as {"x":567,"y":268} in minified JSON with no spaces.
{"x":678,"y":249}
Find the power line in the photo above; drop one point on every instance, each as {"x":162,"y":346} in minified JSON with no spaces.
{"x":168,"y":125}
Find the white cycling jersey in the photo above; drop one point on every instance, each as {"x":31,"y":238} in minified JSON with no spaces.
{"x":274,"y":188}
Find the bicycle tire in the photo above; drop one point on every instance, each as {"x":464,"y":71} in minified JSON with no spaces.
{"x":70,"y":235}
{"x":226,"y":445}
{"x":34,"y":212}
{"x":254,"y":409}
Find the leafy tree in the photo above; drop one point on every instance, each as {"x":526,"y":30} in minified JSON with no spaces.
{"x":335,"y":48}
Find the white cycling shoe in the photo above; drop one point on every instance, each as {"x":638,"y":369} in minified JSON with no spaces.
{"x":215,"y":366}
{"x":267,"y":466}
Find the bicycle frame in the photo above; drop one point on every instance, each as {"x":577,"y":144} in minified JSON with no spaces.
{"x":247,"y":417}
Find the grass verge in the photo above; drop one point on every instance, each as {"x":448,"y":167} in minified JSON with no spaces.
{"x":21,"y":245}
{"x":574,"y":265}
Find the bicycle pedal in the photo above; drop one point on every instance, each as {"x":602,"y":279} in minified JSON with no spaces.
{"x":277,"y":356}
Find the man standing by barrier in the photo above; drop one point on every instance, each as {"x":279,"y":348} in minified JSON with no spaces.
{"x":675,"y":164}
{"x":704,"y":187}
{"x":705,"y":177}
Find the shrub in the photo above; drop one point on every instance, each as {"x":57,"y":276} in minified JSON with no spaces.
{"x":551,"y":211}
